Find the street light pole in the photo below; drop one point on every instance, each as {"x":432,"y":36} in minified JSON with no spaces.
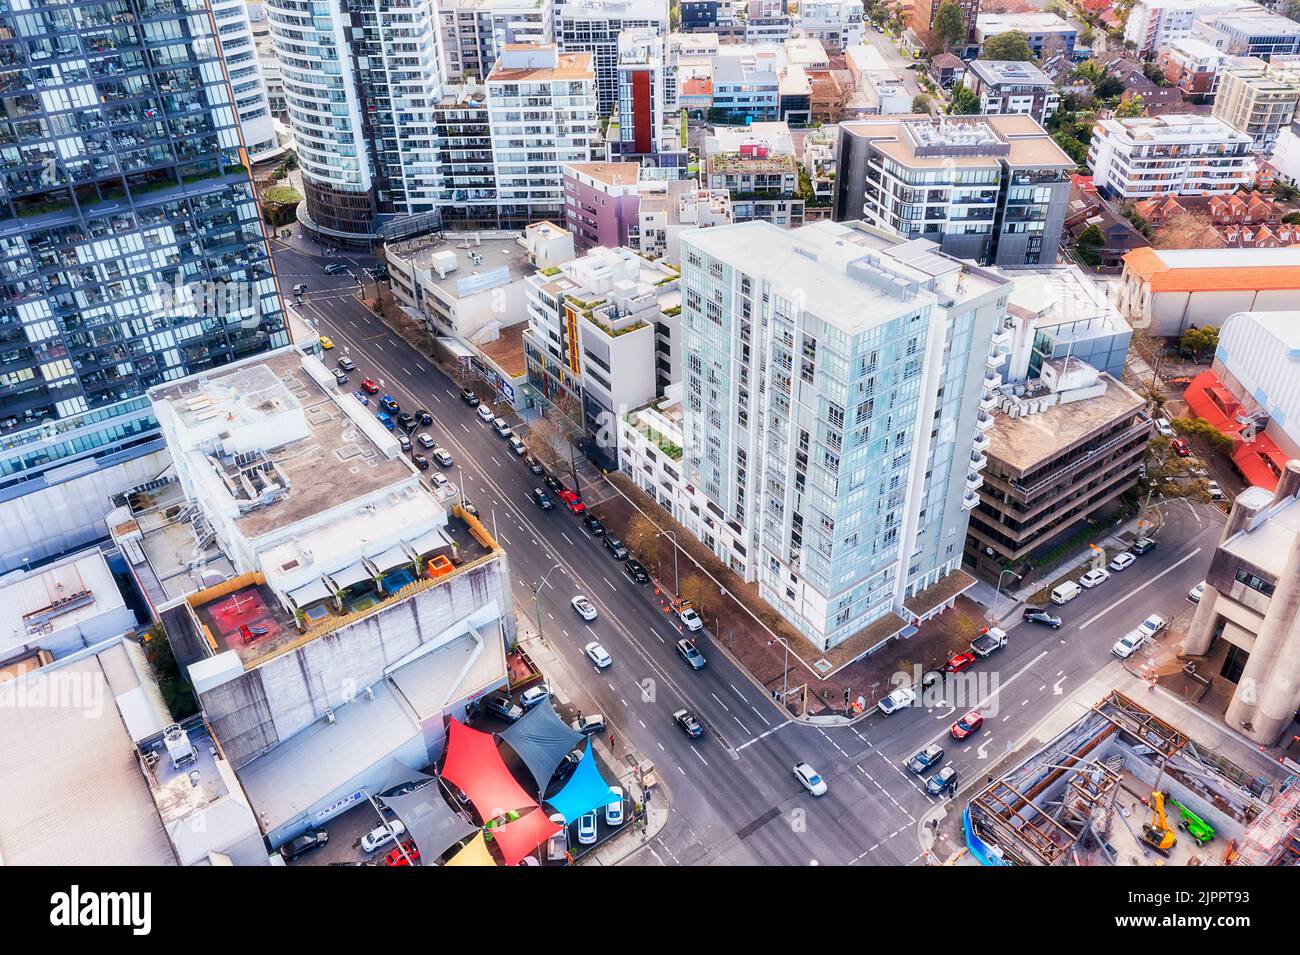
{"x":537,"y":602}
{"x":996,"y":597}
{"x":785,"y":671}
{"x":677,"y":583}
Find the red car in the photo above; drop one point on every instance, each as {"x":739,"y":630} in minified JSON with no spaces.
{"x":961,"y":661}
{"x":571,"y":501}
{"x":966,"y":725}
{"x":370,"y":387}
{"x":395,"y":856}
{"x":1180,"y":448}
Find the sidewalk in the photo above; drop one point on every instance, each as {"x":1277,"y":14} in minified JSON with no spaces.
{"x":565,"y":688}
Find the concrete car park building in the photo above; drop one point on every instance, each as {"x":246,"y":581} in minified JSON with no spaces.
{"x":1247,"y":626}
{"x":132,"y":248}
{"x":993,"y":189}
{"x":830,"y":413}
{"x":330,"y":609}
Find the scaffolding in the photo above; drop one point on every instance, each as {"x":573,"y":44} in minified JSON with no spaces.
{"x":1274,"y":838}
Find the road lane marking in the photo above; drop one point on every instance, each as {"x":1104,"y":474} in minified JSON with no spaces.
{"x":1137,"y":590}
{"x":763,"y":735}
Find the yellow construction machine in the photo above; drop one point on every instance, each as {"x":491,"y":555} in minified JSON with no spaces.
{"x":1157,"y":833}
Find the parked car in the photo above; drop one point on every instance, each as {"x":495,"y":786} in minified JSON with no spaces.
{"x":347,"y":364}
{"x":1143,"y":545}
{"x":405,"y":854}
{"x":636,"y":570}
{"x":1064,"y":592}
{"x":1153,"y":624}
{"x":588,"y":724}
{"x":592,"y":524}
{"x":516,"y":445}
{"x":541,"y":500}
{"x":1164,"y":428}
{"x":1215,"y":492}
{"x":962,"y":661}
{"x":966,"y":725}
{"x":501,"y":427}
{"x":309,"y":840}
{"x":558,"y":845}
{"x":1045,"y":617}
{"x":469,"y":397}
{"x":584,"y":608}
{"x":1094,"y":578}
{"x":616,"y":547}
{"x":425,"y":440}
{"x":385,"y":420}
{"x":587,"y":828}
{"x":420,"y":461}
{"x":572,"y":502}
{"x":381,"y":836}
{"x":499,"y":704}
{"x":597,"y":655}
{"x":1196,"y":593}
{"x":406,"y":422}
{"x":690,"y":619}
{"x":1180,"y":448}
{"x":370,"y":386}
{"x":901,"y":697}
{"x":553,"y":484}
{"x":945,"y":780}
{"x":443,"y":457}
{"x":688,"y":652}
{"x":423,"y":416}
{"x":614,"y":808}
{"x":439,"y":482}
{"x":533,"y":696}
{"x":810,"y":779}
{"x":688,"y":723}
{"x":485,"y":413}
{"x":534,"y":466}
{"x":1122,"y":561}
{"x":389,"y":404}
{"x":361,"y":397}
{"x":925,"y":760}
{"x":340,"y":376}
{"x":405,"y":443}
{"x":569,"y":764}
{"x":1130,"y":643}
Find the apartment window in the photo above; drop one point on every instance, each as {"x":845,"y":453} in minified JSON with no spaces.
{"x":1254,"y":583}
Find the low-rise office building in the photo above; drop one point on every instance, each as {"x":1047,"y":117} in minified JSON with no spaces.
{"x":1245,"y":636}
{"x":1248,"y":33}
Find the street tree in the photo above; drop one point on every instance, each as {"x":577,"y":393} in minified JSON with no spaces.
{"x":1007,"y":46}
{"x":920,"y":103}
{"x":949,"y":29}
{"x":701,"y":592}
{"x":642,"y":538}
{"x":963,"y":101}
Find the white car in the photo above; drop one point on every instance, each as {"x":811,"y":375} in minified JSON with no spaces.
{"x":557,"y":846}
{"x":1196,"y":593}
{"x":691,"y":619}
{"x":587,"y":828}
{"x":1216,"y":492}
{"x":809,"y":779}
{"x":382,"y":835}
{"x":425,"y":440}
{"x":485,"y":412}
{"x":1122,"y":561}
{"x":900,"y":698}
{"x":1130,"y":643}
{"x":1094,"y":577}
{"x":1153,"y":624}
{"x":1164,"y":428}
{"x":533,"y":696}
{"x":597,"y":654}
{"x":585,"y":610}
{"x":439,"y":482}
{"x":614,"y":808}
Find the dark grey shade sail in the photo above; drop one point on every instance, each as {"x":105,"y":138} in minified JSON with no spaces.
{"x":541,"y":739}
{"x":433,"y":825}
{"x":399,"y":773}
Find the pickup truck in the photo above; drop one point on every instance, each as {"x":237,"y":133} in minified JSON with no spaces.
{"x":989,"y":641}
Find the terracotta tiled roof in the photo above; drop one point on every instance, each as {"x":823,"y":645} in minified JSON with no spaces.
{"x":1147,"y":264}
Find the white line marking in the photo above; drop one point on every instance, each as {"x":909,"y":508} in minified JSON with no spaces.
{"x":1137,"y":590}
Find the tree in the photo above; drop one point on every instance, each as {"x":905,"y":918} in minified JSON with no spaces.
{"x":1088,"y":246}
{"x":1187,"y":230}
{"x":1086,"y":35}
{"x":948,"y":26}
{"x":964,"y":102}
{"x":702,"y":593}
{"x":1132,"y":106}
{"x":642,"y":538}
{"x":544,"y":441}
{"x":1007,"y":46}
{"x":920,"y":103}
{"x":1073,"y":148}
{"x":1200,"y":428}
{"x":1196,"y":341}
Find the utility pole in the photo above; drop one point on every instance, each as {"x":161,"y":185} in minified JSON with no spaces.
{"x":677,"y":582}
{"x":536,"y":588}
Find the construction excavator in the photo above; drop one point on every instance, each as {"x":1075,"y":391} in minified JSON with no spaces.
{"x":1157,"y":833}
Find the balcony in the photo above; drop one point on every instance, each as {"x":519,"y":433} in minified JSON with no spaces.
{"x":1001,"y":339}
{"x":983,"y":421}
{"x":992,"y":379}
{"x":981,"y":442}
{"x":988,"y":402}
{"x":977,"y":460}
{"x":974,"y":481}
{"x":970,"y":500}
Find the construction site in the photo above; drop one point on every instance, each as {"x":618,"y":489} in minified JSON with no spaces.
{"x":1122,"y":787}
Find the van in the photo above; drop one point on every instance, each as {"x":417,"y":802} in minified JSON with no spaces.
{"x":1064,"y":593}
{"x":382,"y":835}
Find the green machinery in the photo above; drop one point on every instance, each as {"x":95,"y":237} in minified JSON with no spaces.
{"x":1191,"y":823}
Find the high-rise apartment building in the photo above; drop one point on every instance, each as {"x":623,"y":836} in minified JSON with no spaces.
{"x":1258,"y":99}
{"x":1153,"y":24}
{"x":133,"y":253}
{"x":989,"y":188}
{"x":640,"y":114}
{"x":835,"y":379}
{"x":474,"y":31}
{"x":593,"y":26}
{"x":239,"y":54}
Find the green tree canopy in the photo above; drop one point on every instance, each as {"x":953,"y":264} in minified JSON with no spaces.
{"x":1130,"y":107}
{"x":1200,"y":340}
{"x":1075,"y":149}
{"x":948,"y":26}
{"x":920,"y":103}
{"x":1007,"y":46}
{"x":964,"y":102}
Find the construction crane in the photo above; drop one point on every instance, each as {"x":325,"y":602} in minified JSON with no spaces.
{"x":1157,"y":833}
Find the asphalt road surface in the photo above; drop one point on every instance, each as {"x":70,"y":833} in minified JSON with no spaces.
{"x":734,"y":798}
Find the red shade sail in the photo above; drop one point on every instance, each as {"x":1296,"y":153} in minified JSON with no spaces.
{"x":474,"y":766}
{"x":520,"y":838}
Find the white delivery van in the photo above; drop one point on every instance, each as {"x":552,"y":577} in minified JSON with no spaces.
{"x":1065,"y":592}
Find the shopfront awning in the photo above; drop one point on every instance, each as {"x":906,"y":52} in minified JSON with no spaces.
{"x":350,"y":576}
{"x":541,"y":739}
{"x":431,"y":823}
{"x":390,"y":559}
{"x":586,"y":789}
{"x":474,"y":853}
{"x":473,"y":765}
{"x":519,"y":839}
{"x":310,"y":594}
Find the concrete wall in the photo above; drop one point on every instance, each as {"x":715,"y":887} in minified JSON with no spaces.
{"x":1172,"y":313}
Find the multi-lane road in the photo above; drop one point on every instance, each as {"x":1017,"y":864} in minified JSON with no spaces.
{"x":733,"y":795}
